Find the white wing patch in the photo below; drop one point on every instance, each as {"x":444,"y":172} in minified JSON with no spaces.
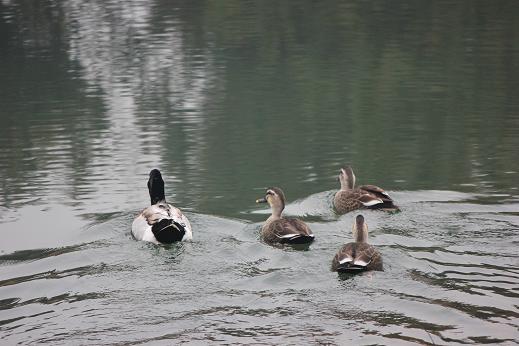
{"x":361,"y":263}
{"x":345,"y":260}
{"x":372,"y":202}
{"x":289,"y":235}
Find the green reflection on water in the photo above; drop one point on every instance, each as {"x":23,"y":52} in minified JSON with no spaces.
{"x":230,"y":97}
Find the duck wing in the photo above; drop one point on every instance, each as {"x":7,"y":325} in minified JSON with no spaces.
{"x":382,"y":195}
{"x":354,"y":257}
{"x":180,"y":218}
{"x":157,"y":212}
{"x":369,"y":200}
{"x":346,"y":201}
{"x":377,"y":191}
{"x":291,"y":231}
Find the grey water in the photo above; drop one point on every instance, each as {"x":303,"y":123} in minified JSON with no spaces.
{"x":227,"y":98}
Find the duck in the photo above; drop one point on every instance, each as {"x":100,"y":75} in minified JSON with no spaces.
{"x":359,"y":255}
{"x":349,"y":198}
{"x":160,"y":223}
{"x":280,"y":230}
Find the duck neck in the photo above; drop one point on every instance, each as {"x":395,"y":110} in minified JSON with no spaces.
{"x":362,"y":237}
{"x":360,"y":234}
{"x":155,"y":200}
{"x":347,"y":179}
{"x":157,"y":192}
{"x":276,"y":213}
{"x":346,"y":184}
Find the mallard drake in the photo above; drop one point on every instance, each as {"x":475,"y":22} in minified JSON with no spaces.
{"x":160,"y":223}
{"x":358,"y":256}
{"x":349,"y":198}
{"x":281,"y":230}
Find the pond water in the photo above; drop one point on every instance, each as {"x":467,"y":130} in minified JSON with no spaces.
{"x":227,"y":98}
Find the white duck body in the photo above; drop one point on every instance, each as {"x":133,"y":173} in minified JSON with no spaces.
{"x":160,"y":223}
{"x":142,"y":226}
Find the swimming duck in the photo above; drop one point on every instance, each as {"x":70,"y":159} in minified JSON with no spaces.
{"x":280,"y":230}
{"x":358,"y":256}
{"x":160,"y":223}
{"x":349,"y":198}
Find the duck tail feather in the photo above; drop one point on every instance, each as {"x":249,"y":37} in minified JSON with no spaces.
{"x":350,"y":268}
{"x":168,"y":231}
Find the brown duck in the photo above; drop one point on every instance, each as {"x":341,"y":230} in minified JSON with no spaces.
{"x":281,"y":230}
{"x":358,"y":256}
{"x":349,"y":198}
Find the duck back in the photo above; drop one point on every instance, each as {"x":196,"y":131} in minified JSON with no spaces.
{"x":287,"y":231}
{"x":356,"y":257}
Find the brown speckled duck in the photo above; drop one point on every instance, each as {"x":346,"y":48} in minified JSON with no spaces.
{"x":358,"y":256}
{"x":349,"y":198}
{"x":281,"y":230}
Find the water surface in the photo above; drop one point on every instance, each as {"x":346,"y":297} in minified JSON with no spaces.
{"x":227,"y":99}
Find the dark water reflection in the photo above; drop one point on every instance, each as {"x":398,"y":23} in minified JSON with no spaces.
{"x":227,"y":98}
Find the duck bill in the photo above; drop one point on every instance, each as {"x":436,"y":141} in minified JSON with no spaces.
{"x":261,"y":200}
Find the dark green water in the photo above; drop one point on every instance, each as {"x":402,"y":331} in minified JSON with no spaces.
{"x":226,"y":98}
